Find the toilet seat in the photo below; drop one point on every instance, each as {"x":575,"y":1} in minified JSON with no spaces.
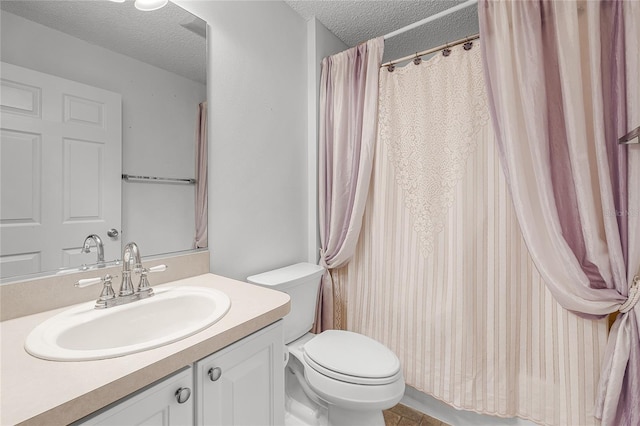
{"x":342,"y":392}
{"x":352,"y":358}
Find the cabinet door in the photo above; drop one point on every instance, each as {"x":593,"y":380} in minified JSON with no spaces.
{"x":156,"y":405}
{"x":243,"y":384}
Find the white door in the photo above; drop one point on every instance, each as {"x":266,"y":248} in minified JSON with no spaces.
{"x":243,"y":384}
{"x":60,"y":171}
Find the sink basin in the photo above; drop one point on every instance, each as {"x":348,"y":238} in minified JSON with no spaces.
{"x":83,"y":333}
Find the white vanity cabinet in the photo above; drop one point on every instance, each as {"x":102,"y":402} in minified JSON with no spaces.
{"x":243,"y":384}
{"x":168,"y":402}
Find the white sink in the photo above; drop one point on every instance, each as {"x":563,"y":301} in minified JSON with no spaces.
{"x":83,"y":333}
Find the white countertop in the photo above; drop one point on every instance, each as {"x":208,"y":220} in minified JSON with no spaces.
{"x":36,"y":391}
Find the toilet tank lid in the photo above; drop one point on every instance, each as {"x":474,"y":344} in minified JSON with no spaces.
{"x":287,"y":275}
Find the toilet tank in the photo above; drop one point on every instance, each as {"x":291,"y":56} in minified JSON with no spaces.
{"x":301,"y":282}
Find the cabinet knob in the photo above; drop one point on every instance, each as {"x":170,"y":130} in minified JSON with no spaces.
{"x":182,"y":395}
{"x":215,"y":373}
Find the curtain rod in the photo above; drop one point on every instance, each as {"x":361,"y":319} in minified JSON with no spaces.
{"x":431,"y":18}
{"x":435,"y":49}
{"x":155,"y":179}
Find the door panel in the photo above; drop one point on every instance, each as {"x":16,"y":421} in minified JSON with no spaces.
{"x":60,"y":152}
{"x":155,"y":406}
{"x":248,"y":388}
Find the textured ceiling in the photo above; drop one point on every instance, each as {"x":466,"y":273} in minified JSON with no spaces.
{"x":357,"y":21}
{"x":162,"y":37}
{"x":169,"y":38}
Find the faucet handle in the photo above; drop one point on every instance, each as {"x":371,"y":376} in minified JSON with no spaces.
{"x":96,"y":280}
{"x":144,"y":271}
{"x":107,"y":291}
{"x":88,"y":281}
{"x":144,"y":288}
{"x":158,"y":268}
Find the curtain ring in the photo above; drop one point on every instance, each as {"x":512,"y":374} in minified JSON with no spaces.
{"x":391,"y":67}
{"x":446,"y":51}
{"x":468,"y":45}
{"x":417,"y":60}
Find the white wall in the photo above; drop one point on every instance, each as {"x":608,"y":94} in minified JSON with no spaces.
{"x":257,"y":135}
{"x":320,"y":43}
{"x":158,"y":137}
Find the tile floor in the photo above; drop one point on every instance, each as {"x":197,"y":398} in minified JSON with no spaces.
{"x":401,"y":415}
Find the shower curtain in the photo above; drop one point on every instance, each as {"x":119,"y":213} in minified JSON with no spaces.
{"x":347,"y":134}
{"x":441,"y":274}
{"x":563,"y":80}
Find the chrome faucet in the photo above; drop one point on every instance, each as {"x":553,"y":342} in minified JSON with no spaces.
{"x":130,"y":255}
{"x":86,"y":246}
{"x":131,"y":262}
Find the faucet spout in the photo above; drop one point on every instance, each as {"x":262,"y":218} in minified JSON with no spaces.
{"x":130,"y":255}
{"x":86,"y":246}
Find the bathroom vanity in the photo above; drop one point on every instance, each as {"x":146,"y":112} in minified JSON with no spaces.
{"x":233,"y":370}
{"x":239,"y":385}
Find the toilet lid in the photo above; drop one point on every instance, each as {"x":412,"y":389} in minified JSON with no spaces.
{"x":352,"y":357}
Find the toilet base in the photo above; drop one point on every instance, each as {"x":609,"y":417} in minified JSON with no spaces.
{"x":341,"y":417}
{"x":305,"y":408}
{"x":297,"y":414}
{"x":300,"y":410}
{"x":300,"y":416}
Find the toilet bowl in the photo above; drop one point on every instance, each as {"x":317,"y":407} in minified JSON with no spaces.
{"x":336,"y":377}
{"x":356,"y":376}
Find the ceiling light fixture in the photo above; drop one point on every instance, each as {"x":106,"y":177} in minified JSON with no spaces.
{"x":146,"y":5}
{"x":149,"y":5}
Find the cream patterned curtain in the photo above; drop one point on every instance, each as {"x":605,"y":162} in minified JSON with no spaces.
{"x":441,"y":274}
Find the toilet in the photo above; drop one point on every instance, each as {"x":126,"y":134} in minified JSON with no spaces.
{"x":335,"y":378}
